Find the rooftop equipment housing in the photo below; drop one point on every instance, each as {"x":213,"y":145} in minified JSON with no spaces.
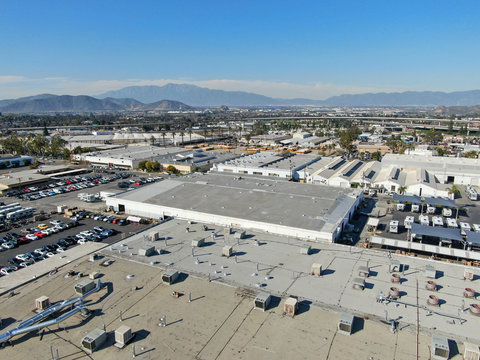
{"x":471,"y":352}
{"x":170,"y":276}
{"x":430,"y":272}
{"x":262,"y":300}
{"x":227,"y":251}
{"x":440,"y":349}
{"x":395,"y":266}
{"x":291,"y":306}
{"x":149,"y":251}
{"x":198,"y":242}
{"x":94,"y":340}
{"x":358,"y":283}
{"x":84,"y":286}
{"x":345,"y":323}
{"x":305,"y":249}
{"x":240,"y":234}
{"x":42,"y":303}
{"x":363,"y":271}
{"x":316,"y":269}
{"x":122,"y":336}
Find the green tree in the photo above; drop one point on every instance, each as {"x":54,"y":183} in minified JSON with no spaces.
{"x":453,"y":190}
{"x":172,"y":169}
{"x":402,"y":189}
{"x":142,"y":165}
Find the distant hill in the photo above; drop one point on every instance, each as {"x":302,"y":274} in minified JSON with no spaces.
{"x":66,"y":103}
{"x":166,"y":105}
{"x":190,"y":94}
{"x":198,"y":96}
{"x":63,"y":103}
{"x":419,"y":98}
{"x":457,"y":110}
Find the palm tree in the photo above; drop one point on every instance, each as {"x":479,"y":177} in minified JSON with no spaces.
{"x":190,"y":134}
{"x":163,"y":137}
{"x":402,"y":189}
{"x":453,"y":190}
{"x":173,"y":137}
{"x":182,"y":134}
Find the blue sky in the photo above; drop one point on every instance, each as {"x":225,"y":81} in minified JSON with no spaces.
{"x":279,"y":48}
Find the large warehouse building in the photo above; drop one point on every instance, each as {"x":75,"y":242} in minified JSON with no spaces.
{"x":276,"y":206}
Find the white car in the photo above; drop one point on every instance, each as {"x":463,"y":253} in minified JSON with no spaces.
{"x":31,"y":237}
{"x":60,"y":249}
{"x":22,"y":257}
{"x":55,"y":222}
{"x":82,"y":241}
{"x":6,"y":270}
{"x":50,"y":254}
{"x":40,"y":251}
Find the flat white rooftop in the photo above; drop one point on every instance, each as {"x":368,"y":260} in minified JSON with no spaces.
{"x":295,"y":205}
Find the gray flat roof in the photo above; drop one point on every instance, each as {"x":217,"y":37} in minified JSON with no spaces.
{"x":270,"y":201}
{"x":473,"y":238}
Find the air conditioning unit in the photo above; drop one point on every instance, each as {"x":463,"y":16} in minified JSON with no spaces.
{"x":198,"y":242}
{"x":84,"y":287}
{"x":262,"y":301}
{"x":123,"y":335}
{"x":170,"y":276}
{"x":94,"y":340}
{"x":42,"y":303}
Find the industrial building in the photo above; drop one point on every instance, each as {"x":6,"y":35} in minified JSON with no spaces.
{"x":285,"y":166}
{"x":454,"y":170}
{"x":274,"y":206}
{"x":129,"y":156}
{"x":100,"y":138}
{"x":15,"y":161}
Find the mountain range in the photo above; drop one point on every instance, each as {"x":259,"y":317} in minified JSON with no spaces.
{"x":198,"y":96}
{"x":77,"y":104}
{"x":152,"y":98}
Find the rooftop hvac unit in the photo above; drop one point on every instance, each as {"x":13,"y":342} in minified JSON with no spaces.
{"x":363,"y":271}
{"x":468,"y":275}
{"x":42,"y":303}
{"x":239,"y":235}
{"x":94,"y":340}
{"x":227,"y":231}
{"x":305,"y":249}
{"x":395,"y":266}
{"x":84,"y":286}
{"x":430,"y":272}
{"x":122,"y":336}
{"x":400,"y":207}
{"x":170,"y":276}
{"x":262,"y":301}
{"x":440,"y":349}
{"x":291,"y":306}
{"x":227,"y":251}
{"x":94,"y":275}
{"x":345,"y":323}
{"x":316,"y":269}
{"x":358,"y":284}
{"x":198,"y":242}
{"x":415,"y":208}
{"x":146,"y":251}
{"x":472,"y":351}
{"x":153,"y":236}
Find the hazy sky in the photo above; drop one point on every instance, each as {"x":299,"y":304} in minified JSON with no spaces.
{"x":311,"y":49}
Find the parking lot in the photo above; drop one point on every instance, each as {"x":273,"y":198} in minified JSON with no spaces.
{"x":84,"y":225}
{"x":44,"y":199}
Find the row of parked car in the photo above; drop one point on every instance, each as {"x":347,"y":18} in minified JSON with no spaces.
{"x":62,"y":186}
{"x":12,"y":240}
{"x":138,"y":182}
{"x":99,"y":217}
{"x":20,"y":261}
